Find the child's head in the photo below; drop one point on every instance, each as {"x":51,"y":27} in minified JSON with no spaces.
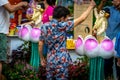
{"x":107,"y":12}
{"x":61,"y":13}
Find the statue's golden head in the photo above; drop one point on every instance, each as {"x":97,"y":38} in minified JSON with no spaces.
{"x":105,"y":12}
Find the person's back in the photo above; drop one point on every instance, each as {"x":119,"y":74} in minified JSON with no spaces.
{"x":54,"y":34}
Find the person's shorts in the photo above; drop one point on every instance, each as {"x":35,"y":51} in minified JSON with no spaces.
{"x":3,"y":47}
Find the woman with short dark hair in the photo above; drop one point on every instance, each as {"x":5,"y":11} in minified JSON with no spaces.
{"x":54,"y":35}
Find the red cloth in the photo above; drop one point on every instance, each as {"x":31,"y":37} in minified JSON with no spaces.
{"x":17,"y":13}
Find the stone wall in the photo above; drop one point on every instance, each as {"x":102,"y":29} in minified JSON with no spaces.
{"x":80,"y":29}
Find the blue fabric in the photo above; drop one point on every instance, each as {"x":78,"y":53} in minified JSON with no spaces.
{"x":113,"y":22}
{"x":45,"y":48}
{"x":117,"y":45}
{"x":54,"y":35}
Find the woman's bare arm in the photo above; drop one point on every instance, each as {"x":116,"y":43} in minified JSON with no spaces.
{"x":85,"y":14}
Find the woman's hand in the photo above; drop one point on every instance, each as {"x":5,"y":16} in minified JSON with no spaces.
{"x":92,"y":3}
{"x":23,"y":4}
{"x":29,"y":16}
{"x":43,"y":61}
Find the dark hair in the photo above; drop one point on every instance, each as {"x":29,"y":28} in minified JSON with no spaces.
{"x":107,"y":10}
{"x":51,"y":2}
{"x":60,"y":11}
{"x":26,"y":0}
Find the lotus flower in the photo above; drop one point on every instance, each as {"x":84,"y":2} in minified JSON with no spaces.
{"x":91,"y":47}
{"x":79,"y":46}
{"x":35,"y":34}
{"x":106,"y":48}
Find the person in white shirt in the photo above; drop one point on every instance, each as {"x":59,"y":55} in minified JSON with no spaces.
{"x":5,"y":9}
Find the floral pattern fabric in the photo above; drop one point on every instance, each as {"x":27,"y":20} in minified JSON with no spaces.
{"x":58,"y":58}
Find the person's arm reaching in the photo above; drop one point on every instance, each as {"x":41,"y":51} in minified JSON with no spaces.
{"x":12,"y":8}
{"x":96,"y":12}
{"x":85,"y":14}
